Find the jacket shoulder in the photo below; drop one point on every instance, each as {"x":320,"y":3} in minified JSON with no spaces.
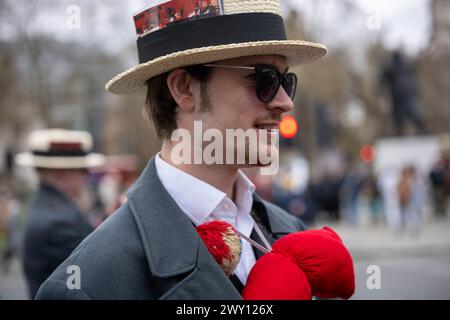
{"x":111,"y":264}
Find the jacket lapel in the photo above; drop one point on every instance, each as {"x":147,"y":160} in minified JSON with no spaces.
{"x":172,"y":246}
{"x":272,"y":225}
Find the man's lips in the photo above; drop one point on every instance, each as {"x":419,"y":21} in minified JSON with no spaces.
{"x":267,"y":125}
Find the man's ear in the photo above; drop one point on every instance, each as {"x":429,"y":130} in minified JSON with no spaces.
{"x":181,"y":87}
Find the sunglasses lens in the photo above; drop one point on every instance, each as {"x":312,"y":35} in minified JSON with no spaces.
{"x":290,"y":84}
{"x":267,"y":84}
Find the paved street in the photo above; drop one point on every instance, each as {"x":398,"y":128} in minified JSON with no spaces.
{"x":406,"y":278}
{"x":12,"y":284}
{"x":410,"y":267}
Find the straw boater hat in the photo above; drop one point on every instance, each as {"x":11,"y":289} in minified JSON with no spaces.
{"x":227,"y":29}
{"x":60,"y":149}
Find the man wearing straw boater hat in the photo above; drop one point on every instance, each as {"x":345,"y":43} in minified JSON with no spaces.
{"x":55,"y":224}
{"x":226,"y":69}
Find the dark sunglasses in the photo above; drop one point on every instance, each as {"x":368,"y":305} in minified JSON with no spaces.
{"x":268,"y":81}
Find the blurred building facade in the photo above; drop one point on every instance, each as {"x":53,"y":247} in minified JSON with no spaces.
{"x":435,"y":69}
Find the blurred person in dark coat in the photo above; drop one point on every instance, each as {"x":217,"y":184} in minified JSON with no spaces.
{"x":56,"y":224}
{"x":440,"y":182}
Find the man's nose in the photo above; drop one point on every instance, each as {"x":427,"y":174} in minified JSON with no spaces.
{"x":282,"y":102}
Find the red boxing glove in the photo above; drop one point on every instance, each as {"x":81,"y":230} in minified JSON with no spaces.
{"x":276,"y":277}
{"x":319,"y":254}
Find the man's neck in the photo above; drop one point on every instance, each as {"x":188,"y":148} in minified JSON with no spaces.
{"x":58,"y":187}
{"x":221,"y":177}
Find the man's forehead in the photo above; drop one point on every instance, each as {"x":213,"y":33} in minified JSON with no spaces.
{"x":278,"y":61}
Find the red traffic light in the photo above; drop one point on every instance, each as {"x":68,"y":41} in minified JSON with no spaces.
{"x":367,"y":153}
{"x":288,"y":127}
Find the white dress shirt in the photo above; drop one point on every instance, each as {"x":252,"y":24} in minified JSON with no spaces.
{"x":202,"y":202}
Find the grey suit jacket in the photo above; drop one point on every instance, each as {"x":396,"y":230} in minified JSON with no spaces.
{"x":149,"y":249}
{"x":55,"y":227}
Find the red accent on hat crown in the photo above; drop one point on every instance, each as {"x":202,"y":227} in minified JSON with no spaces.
{"x":65,"y":146}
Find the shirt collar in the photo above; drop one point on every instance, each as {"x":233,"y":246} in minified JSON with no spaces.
{"x":197,"y":198}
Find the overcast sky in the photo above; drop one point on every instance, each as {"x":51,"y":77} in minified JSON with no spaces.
{"x":403,"y":23}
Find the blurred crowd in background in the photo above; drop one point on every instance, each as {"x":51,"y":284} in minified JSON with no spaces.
{"x":373,"y":139}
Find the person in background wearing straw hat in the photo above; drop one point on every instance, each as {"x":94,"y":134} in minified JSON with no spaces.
{"x":230,"y":71}
{"x":55,"y":224}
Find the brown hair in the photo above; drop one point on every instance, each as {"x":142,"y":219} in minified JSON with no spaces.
{"x":160,"y":106}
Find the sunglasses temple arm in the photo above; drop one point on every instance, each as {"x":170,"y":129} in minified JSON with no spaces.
{"x":229,"y":67}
